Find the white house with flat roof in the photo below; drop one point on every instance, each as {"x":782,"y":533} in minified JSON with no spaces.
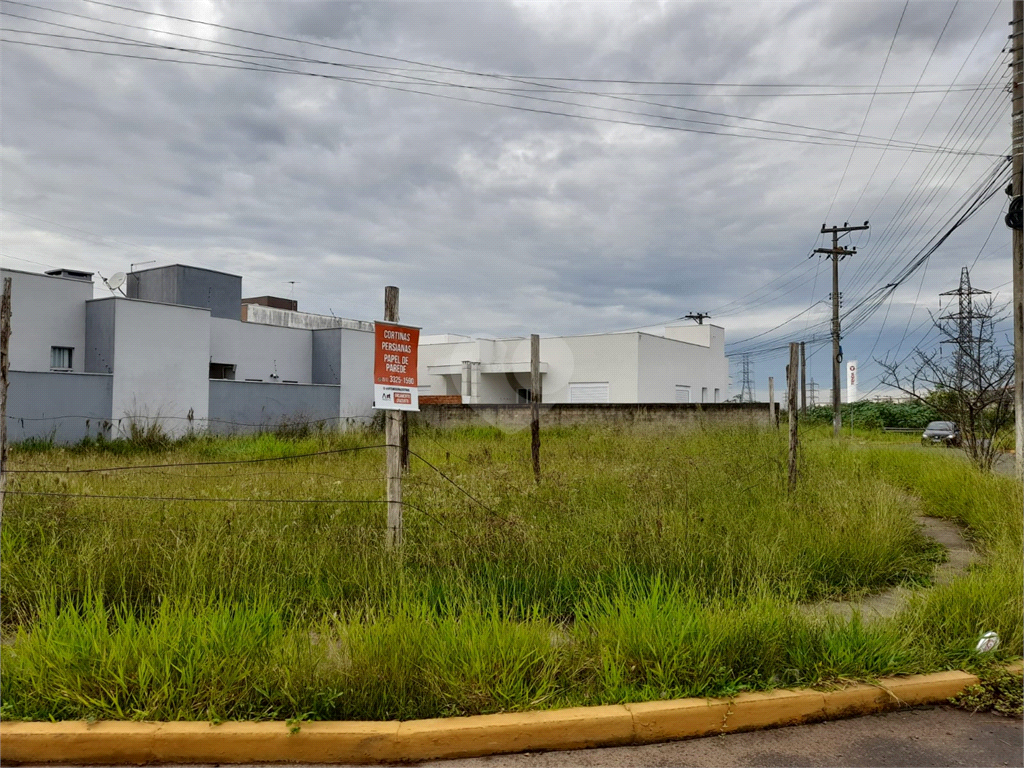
{"x":181,"y":348}
{"x":670,"y":364}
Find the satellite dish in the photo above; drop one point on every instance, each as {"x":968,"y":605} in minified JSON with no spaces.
{"x":116,"y":280}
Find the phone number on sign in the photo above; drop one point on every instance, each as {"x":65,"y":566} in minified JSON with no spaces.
{"x":400,"y":380}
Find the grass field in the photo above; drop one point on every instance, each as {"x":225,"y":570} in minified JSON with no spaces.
{"x":649,"y":563}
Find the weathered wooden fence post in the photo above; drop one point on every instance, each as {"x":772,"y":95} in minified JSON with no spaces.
{"x":535,"y":397}
{"x":393,"y":439}
{"x":794,"y":373}
{"x":5,"y":364}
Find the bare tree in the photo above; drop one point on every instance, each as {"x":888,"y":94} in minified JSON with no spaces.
{"x":971,"y":385}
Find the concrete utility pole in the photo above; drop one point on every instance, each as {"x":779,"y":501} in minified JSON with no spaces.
{"x":1017,"y":116}
{"x":803,"y":379}
{"x":837,"y":254}
{"x":700,"y":317}
{"x":393,"y":439}
{"x":771,"y":402}
{"x":5,"y":364}
{"x":535,"y":396}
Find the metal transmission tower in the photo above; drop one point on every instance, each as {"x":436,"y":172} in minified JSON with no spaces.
{"x":747,"y":387}
{"x":836,"y":253}
{"x":812,"y":393}
{"x":965,"y":339}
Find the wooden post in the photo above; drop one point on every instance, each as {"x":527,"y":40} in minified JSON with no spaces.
{"x":535,"y":397}
{"x":5,"y":364}
{"x":803,"y":379}
{"x":393,"y":439}
{"x":403,"y":442}
{"x":794,"y":366}
{"x":771,"y":402}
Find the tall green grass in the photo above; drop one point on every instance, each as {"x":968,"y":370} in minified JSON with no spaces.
{"x":648,"y":563}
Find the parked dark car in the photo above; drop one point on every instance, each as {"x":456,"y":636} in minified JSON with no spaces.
{"x":941,"y":433}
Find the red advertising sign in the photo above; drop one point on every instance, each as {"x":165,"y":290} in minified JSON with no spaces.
{"x":396,"y":349}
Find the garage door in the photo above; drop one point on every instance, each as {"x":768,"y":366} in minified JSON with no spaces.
{"x":588,"y":392}
{"x":682,"y":393}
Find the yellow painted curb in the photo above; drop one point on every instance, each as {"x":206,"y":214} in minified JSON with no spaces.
{"x":119,"y":743}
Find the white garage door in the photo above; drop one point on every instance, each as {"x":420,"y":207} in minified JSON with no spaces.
{"x":588,"y":392}
{"x":682,"y":393}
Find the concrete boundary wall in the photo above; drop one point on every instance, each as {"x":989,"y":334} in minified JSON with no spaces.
{"x":566,"y":414}
{"x":63,"y":407}
{"x":252,"y":406}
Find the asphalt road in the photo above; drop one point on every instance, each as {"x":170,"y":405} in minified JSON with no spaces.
{"x":932,"y":736}
{"x":927,"y":736}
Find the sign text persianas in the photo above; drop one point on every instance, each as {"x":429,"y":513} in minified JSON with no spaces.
{"x":395,"y":352}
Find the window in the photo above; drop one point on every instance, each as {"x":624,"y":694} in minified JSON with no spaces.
{"x":222,"y":371}
{"x":703,"y":394}
{"x":588,"y":392}
{"x":716,"y":394}
{"x":524,"y":396}
{"x":682,"y":393}
{"x":60,"y":358}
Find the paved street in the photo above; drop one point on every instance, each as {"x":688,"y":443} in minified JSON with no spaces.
{"x":927,"y":737}
{"x":936,"y":736}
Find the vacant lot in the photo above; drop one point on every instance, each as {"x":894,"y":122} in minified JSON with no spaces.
{"x":241,"y":583}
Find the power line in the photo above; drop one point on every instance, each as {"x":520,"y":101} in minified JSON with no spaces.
{"x":800,"y":138}
{"x":840,"y":137}
{"x":906,"y":106}
{"x":871,"y":103}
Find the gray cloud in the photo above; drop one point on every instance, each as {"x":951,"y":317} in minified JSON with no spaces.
{"x":499,"y":221}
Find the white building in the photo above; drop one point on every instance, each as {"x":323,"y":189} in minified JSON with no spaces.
{"x":183,"y":349}
{"x":674,"y":364}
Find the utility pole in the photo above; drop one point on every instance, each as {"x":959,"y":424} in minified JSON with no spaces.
{"x":535,"y":396}
{"x":700,"y":317}
{"x":771,"y":402}
{"x":1017,"y":116}
{"x":393,"y":439}
{"x":5,"y":364}
{"x":837,"y":254}
{"x":803,"y":379}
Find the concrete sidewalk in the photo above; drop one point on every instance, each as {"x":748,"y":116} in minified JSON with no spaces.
{"x":932,"y":736}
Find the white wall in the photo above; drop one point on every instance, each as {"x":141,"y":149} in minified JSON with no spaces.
{"x":638,"y":367}
{"x":445,"y":354}
{"x":665,"y":363}
{"x":46,"y":312}
{"x":257,"y":351}
{"x":356,"y":375}
{"x":161,"y":364}
{"x":576,"y":359}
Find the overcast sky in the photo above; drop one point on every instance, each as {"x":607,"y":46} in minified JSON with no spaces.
{"x":504,"y":221}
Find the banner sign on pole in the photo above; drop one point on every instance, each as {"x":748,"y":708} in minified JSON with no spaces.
{"x":395,"y":353}
{"x":851,"y":381}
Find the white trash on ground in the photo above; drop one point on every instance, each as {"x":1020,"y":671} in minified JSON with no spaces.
{"x":988,"y":642}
